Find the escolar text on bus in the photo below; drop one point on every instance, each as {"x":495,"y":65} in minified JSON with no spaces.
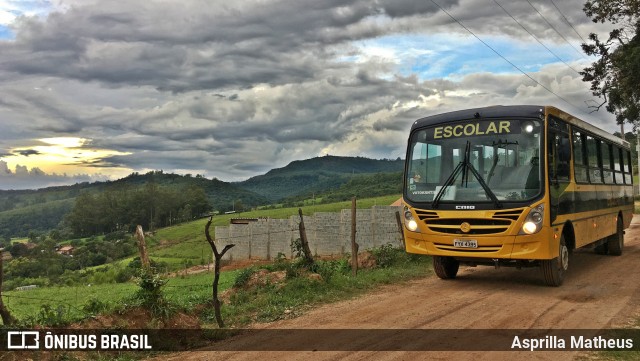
{"x":470,"y":129}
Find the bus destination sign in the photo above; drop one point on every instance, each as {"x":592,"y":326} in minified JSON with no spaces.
{"x":471,"y":129}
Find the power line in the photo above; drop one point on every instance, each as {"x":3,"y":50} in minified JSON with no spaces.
{"x":568,"y":22}
{"x":504,"y":58}
{"x":556,"y":30}
{"x":536,"y":38}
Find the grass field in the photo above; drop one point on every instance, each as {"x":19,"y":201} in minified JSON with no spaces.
{"x":178,"y":247}
{"x":69,"y":301}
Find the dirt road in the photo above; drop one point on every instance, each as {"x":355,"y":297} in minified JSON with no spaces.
{"x":599,"y":292}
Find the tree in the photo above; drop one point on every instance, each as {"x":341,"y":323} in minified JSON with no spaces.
{"x":7,"y":318}
{"x":616,"y":74}
{"x":33,"y":237}
{"x":216,"y":275}
{"x":55,"y":235}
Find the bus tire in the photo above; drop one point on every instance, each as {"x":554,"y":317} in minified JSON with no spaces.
{"x":616,"y":241}
{"x":555,"y":269}
{"x":445,"y":267}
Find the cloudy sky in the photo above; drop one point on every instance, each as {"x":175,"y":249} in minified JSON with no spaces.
{"x":94,"y":89}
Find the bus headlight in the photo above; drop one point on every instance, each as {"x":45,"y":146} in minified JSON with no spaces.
{"x":409,"y":221}
{"x":529,"y":227}
{"x":533,"y":222}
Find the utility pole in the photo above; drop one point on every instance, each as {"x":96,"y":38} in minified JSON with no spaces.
{"x":637,"y":152}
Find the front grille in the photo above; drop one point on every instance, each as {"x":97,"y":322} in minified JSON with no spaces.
{"x":424,"y":215}
{"x":495,"y":223}
{"x":480,"y":249}
{"x":478,"y":225}
{"x":513,"y":214}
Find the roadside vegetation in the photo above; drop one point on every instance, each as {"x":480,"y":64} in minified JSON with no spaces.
{"x":101,"y":275}
{"x":277,"y":290}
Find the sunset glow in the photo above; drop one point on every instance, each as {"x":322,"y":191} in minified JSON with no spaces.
{"x":68,"y":155}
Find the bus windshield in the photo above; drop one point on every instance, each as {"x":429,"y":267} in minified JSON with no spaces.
{"x":504,"y":155}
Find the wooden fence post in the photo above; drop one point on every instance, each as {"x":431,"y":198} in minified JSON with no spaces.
{"x":142,"y":248}
{"x":354,"y":245}
{"x":303,"y":239}
{"x":400,"y":228}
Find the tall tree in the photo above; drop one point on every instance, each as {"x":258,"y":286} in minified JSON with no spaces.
{"x":615,"y":76}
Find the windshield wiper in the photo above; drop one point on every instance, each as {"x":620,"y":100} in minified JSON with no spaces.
{"x":448,"y":182}
{"x":485,"y":186}
{"x":465,"y":166}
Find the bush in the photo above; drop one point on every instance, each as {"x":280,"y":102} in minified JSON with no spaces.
{"x":280,"y":264}
{"x":11,"y":284}
{"x":94,"y":306}
{"x":243,"y":277}
{"x":115,"y":236}
{"x":150,"y":294}
{"x":327,"y":269}
{"x":136,"y":264}
{"x":386,"y":255}
{"x":124,"y":275}
{"x":50,"y":316}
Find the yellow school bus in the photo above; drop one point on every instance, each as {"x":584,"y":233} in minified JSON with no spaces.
{"x":515,"y":186}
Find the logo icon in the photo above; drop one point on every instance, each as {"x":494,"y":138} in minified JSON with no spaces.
{"x":465,"y":227}
{"x":23,"y":340}
{"x":465,"y":207}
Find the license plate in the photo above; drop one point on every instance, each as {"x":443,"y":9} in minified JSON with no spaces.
{"x":465,"y":243}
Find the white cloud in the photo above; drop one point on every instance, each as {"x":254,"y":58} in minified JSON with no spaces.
{"x":25,"y":178}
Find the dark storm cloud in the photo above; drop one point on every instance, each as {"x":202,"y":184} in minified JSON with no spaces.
{"x":97,"y":163}
{"x":487,"y":17}
{"x":235,"y":88}
{"x":202,"y":45}
{"x":27,"y":152}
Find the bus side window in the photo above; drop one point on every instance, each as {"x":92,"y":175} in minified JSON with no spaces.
{"x":564,"y":156}
{"x":593,"y":158}
{"x":605,"y":151}
{"x":579,"y":163}
{"x":628,"y":178}
{"x":559,"y":156}
{"x":618,"y":176}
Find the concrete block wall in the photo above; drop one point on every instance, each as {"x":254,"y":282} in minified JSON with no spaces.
{"x":328,"y":234}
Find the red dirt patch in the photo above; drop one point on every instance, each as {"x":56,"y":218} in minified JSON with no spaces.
{"x":138,"y":318}
{"x":366,"y":260}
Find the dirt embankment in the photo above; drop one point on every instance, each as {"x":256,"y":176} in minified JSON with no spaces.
{"x":599,"y":292}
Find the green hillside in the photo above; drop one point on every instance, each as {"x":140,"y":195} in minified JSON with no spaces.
{"x":334,"y":178}
{"x":221,"y":195}
{"x":38,"y":218}
{"x":359,"y":186}
{"x":316,"y":175}
{"x":42,"y":210}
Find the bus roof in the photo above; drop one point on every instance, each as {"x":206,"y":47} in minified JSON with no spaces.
{"x":516,"y":111}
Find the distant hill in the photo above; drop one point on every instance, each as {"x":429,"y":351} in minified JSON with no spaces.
{"x":22,"y":211}
{"x":359,"y":186}
{"x":317,"y":175}
{"x":221,"y":195}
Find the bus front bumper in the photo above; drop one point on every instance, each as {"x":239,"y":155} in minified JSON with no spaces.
{"x":539,"y":246}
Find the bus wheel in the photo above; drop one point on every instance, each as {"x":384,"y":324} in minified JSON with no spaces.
{"x":555,"y":269}
{"x":616,"y":241}
{"x":445,"y":267}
